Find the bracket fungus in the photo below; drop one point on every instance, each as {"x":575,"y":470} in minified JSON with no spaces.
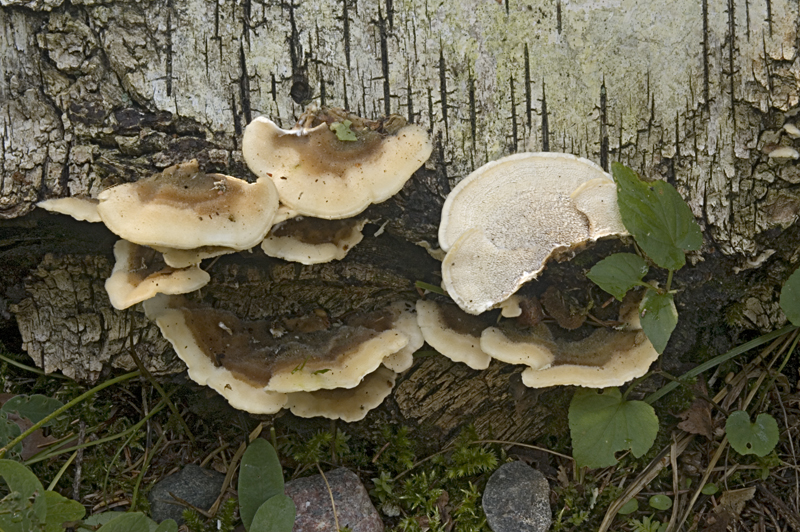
{"x":139,"y":274}
{"x":347,"y":404}
{"x":328,"y":175}
{"x":453,"y":333}
{"x":255,"y":364}
{"x":606,"y":357}
{"x":313,"y":240}
{"x":505,"y":220}
{"x":185,"y":208}
{"x":80,"y":208}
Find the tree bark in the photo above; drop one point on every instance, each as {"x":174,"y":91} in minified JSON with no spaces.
{"x":695,"y":93}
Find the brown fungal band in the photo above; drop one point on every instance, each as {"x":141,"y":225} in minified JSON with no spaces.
{"x":318,"y":174}
{"x":312,"y":240}
{"x":185,"y":208}
{"x":139,"y":274}
{"x":272,"y":357}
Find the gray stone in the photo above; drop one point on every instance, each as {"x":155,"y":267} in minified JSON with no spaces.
{"x":517,"y":499}
{"x":353,"y":507}
{"x":198,"y":486}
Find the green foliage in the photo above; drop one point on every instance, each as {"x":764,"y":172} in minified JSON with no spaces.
{"x":647,"y":524}
{"x":262,"y":503}
{"x":29,"y":508}
{"x":603,"y":424}
{"x":260,"y":478}
{"x":398,"y":452}
{"x":758,"y":438}
{"x":277,"y":514}
{"x":790,"y":298}
{"x":343,"y":131}
{"x":61,"y":510}
{"x":452,"y":479}
{"x":319,"y":447}
{"x":629,"y":507}
{"x":32,"y":407}
{"x":659,"y":318}
{"x":660,"y":502}
{"x":618,"y":273}
{"x":709,"y":489}
{"x":657,"y":217}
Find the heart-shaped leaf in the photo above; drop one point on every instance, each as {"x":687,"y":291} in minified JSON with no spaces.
{"x":757,"y":438}
{"x":60,"y":510}
{"x":657,"y":217}
{"x":603,"y":424}
{"x":659,"y":317}
{"x":32,"y":407}
{"x":618,"y":273}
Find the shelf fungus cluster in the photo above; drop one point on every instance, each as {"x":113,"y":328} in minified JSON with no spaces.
{"x":312,"y":183}
{"x":312,"y":367}
{"x":500,"y":226}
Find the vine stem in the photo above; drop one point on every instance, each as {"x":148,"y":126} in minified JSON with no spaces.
{"x":55,"y":414}
{"x":669,"y":281}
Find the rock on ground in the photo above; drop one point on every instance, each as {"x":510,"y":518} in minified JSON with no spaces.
{"x":353,"y":507}
{"x":198,"y":486}
{"x":517,"y":499}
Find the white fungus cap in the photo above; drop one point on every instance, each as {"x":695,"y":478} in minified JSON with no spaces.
{"x":313,"y":240}
{"x":405,"y":322}
{"x":83,"y":209}
{"x":184,"y":208}
{"x":137,"y":276}
{"x":348,"y":404}
{"x":452,"y":333}
{"x":505,"y":220}
{"x":321,"y":176}
{"x":182,"y":258}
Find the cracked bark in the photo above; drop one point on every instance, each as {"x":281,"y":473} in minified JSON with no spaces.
{"x":693,"y":93}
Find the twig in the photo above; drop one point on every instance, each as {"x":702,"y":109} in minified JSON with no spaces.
{"x":330,"y":492}
{"x":644,"y":478}
{"x":228,"y":478}
{"x":792,"y":518}
{"x":76,"y":483}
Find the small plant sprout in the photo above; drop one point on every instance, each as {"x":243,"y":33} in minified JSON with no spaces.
{"x":663,"y":226}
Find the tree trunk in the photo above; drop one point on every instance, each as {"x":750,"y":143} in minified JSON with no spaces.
{"x":93,"y":94}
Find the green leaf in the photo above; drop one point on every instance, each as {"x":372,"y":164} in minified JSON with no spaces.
{"x":603,"y":424}
{"x":790,"y":298}
{"x":618,"y":273}
{"x":757,"y":438}
{"x":660,"y":502}
{"x":277,"y":514}
{"x":659,"y":317}
{"x":168,"y":525}
{"x":127,"y":522}
{"x":32,"y":407}
{"x":260,"y":478}
{"x":629,"y":507}
{"x":343,"y":131}
{"x":709,"y":489}
{"x":657,"y":217}
{"x":61,"y":510}
{"x":28,"y":509}
{"x":8,"y":431}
